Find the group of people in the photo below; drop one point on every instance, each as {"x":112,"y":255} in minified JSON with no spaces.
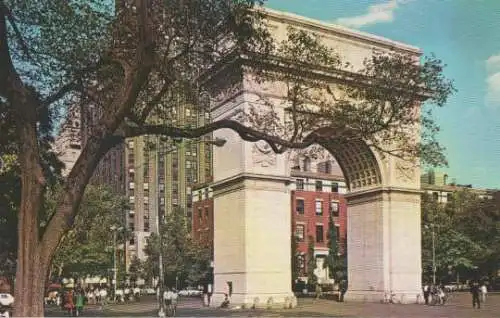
{"x":434,"y":294}
{"x":73,"y":301}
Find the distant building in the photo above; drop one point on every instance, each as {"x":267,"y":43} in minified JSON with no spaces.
{"x":154,"y":173}
{"x":159,"y":174}
{"x":68,"y":143}
{"x":436,"y":185}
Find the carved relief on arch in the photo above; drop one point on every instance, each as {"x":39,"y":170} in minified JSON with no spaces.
{"x":263,"y":155}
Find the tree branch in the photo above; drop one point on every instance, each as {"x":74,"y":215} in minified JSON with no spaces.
{"x":246,"y":133}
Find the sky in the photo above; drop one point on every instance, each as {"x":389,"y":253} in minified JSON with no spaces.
{"x":465,"y":34}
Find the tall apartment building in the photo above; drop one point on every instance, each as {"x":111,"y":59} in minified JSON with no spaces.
{"x":160,"y":172}
{"x":68,"y":142}
{"x":111,"y":168}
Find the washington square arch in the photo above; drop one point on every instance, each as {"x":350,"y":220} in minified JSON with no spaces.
{"x":251,"y":187}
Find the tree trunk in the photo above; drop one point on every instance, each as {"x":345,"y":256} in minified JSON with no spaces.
{"x":30,"y":278}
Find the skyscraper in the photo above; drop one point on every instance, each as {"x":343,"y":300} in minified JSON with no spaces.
{"x":160,"y":172}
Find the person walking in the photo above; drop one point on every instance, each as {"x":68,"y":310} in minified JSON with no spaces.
{"x":484,"y":291}
{"x":427,"y":291}
{"x":80,"y":299}
{"x":475,"y":290}
{"x":69,"y":303}
{"x":342,"y":289}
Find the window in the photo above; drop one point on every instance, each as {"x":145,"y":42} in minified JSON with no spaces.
{"x":328,"y":167}
{"x":307,"y":164}
{"x":299,"y":232}
{"x":334,"y":208}
{"x":131,"y":144}
{"x":435,"y":196}
{"x":319,"y":207}
{"x":319,"y":233}
{"x":146,"y":226}
{"x":335,"y":187}
{"x":319,"y":185}
{"x":206,"y":212}
{"x":300,"y":184}
{"x":206,"y":194}
{"x":337,"y":232}
{"x":132,"y":199}
{"x":299,"y":206}
{"x":199,"y":215}
{"x":131,"y":185}
{"x":301,"y":261}
{"x":449,"y":197}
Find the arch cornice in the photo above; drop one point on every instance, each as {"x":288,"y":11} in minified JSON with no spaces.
{"x":236,"y":64}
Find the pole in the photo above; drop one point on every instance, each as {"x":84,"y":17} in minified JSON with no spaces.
{"x":433,"y":256}
{"x":161,"y":311}
{"x":114,"y":264}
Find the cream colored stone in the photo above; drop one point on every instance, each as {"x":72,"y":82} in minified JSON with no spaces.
{"x":252,"y":199}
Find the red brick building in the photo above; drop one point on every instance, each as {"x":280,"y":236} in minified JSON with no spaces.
{"x":315,"y":198}
{"x":203,"y":216}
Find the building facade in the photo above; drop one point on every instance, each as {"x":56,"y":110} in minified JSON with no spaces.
{"x":437,"y":185}
{"x":68,"y":142}
{"x":160,"y":173}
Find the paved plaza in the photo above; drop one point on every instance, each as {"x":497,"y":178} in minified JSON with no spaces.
{"x":459,"y":306}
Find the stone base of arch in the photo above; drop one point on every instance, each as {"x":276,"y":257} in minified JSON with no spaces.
{"x":384,"y":245}
{"x":252,"y":242}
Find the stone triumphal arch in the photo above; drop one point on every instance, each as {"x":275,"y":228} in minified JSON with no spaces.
{"x":252,"y":197}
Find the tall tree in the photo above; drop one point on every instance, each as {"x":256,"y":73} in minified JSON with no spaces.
{"x":87,"y":249}
{"x":461,"y":234}
{"x":135,"y":59}
{"x":183,"y":259}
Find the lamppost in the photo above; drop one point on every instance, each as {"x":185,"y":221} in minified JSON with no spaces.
{"x":115,"y":229}
{"x":218,"y":142}
{"x":433,"y":234}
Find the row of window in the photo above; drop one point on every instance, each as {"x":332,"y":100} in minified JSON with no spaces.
{"x":300,"y":230}
{"x":318,"y":207}
{"x":318,"y":186}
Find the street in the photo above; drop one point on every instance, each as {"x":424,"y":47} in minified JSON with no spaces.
{"x":459,"y":306}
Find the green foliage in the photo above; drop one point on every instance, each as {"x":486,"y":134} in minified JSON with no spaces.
{"x":311,"y":262}
{"x":293,"y":254}
{"x":135,"y":269}
{"x":466,"y":235}
{"x":182,"y":257}
{"x":87,"y":249}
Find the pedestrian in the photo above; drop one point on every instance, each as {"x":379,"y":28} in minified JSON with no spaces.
{"x":475,"y":290}
{"x":484,"y":291}
{"x":69,"y":302}
{"x":80,"y":299}
{"x":137,"y":293}
{"x":343,"y":289}
{"x":103,"y":294}
{"x":427,"y":291}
